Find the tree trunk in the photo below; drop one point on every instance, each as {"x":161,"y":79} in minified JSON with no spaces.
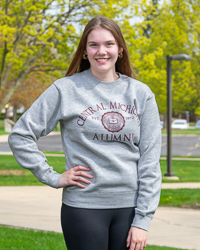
{"x":165,"y":121}
{"x":15,"y":113}
{"x":6,"y":97}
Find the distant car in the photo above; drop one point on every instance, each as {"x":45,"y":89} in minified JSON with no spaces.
{"x":197,"y":125}
{"x":161,"y":124}
{"x":180,"y":124}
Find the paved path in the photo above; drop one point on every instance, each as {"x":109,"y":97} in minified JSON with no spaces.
{"x":38,"y":207}
{"x":185,"y":145}
{"x":181,"y":185}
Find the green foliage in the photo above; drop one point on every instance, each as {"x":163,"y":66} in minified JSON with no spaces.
{"x":168,"y":29}
{"x":179,"y":197}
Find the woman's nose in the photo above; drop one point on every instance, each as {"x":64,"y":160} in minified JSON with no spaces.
{"x":101,"y":50}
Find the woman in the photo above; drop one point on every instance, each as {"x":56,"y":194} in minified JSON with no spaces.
{"x":111,"y":138}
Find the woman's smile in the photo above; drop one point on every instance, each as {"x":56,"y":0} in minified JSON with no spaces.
{"x":102,"y":60}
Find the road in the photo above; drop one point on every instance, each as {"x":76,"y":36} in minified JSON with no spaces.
{"x":184,"y":145}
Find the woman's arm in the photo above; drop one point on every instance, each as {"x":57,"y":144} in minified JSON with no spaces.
{"x":39,"y":120}
{"x":149,"y":173}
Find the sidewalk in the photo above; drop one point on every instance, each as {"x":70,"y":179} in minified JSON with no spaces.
{"x":181,"y":185}
{"x":38,"y":207}
{"x":3,"y":138}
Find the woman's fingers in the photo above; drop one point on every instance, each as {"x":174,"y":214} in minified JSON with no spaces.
{"x":77,"y":168}
{"x":128,"y":239}
{"x":82,"y":173}
{"x":74,"y":175}
{"x":80,"y":170}
{"x":78,"y":178}
{"x":136,"y":239}
{"x":78,"y":184}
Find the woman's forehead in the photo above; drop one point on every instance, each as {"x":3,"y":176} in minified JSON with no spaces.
{"x":100,"y":35}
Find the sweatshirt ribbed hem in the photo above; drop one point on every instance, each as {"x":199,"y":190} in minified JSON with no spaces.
{"x":99,"y":200}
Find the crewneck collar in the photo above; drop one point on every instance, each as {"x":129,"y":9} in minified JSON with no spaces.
{"x":95,"y":79}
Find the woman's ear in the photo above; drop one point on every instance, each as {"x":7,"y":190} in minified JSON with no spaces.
{"x":121,"y":50}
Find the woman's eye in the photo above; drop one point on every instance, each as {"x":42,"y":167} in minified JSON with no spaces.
{"x":93,"y":45}
{"x":109,"y":44}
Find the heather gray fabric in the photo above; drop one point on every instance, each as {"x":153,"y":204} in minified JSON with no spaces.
{"x":111,"y":127}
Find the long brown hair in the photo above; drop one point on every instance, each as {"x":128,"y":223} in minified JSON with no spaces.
{"x":79,"y":64}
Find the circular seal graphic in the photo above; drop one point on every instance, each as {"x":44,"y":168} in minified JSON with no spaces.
{"x":113,"y":121}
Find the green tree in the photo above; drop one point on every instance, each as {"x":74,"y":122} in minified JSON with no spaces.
{"x":175,"y":29}
{"x":41,"y":35}
{"x":151,"y":13}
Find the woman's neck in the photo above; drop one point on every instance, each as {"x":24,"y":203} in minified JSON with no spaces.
{"x":105,"y":76}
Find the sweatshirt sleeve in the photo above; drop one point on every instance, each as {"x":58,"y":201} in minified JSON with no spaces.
{"x":149,"y":173}
{"x":39,"y":120}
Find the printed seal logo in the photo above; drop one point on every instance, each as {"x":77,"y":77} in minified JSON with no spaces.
{"x":113,"y":121}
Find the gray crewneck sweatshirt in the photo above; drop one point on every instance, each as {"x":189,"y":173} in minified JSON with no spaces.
{"x":111,"y":127}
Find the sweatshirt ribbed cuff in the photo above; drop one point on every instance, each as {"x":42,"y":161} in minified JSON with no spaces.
{"x":52,"y":179}
{"x":142,"y":222}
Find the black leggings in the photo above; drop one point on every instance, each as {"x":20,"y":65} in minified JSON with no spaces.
{"x":96,"y":229}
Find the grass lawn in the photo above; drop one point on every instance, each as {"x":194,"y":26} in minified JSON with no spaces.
{"x":180,"y":198}
{"x":15,"y":239}
{"x":2,"y":131}
{"x":187,"y":171}
{"x":24,"y":178}
{"x":53,"y":152}
{"x":191,"y":131}
{"x":183,"y":156}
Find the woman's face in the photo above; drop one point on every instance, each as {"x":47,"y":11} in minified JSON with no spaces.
{"x":102,"y":51}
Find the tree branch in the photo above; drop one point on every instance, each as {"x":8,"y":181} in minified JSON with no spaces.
{"x":47,"y":6}
{"x":19,"y":35}
{"x":41,"y":65}
{"x":28,"y":65}
{"x":45,"y":70}
{"x":5,"y":51}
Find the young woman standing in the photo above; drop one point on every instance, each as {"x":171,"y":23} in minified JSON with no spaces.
{"x":111,"y":137}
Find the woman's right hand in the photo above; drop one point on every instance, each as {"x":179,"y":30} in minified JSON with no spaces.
{"x":73,"y":176}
